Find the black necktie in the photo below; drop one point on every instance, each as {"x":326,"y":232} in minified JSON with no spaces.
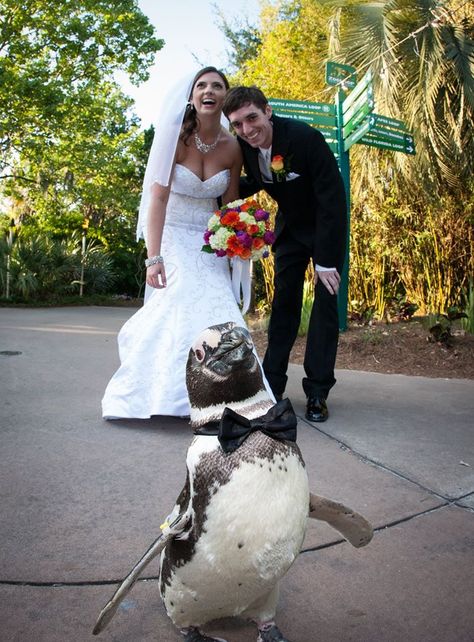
{"x":279,"y":423}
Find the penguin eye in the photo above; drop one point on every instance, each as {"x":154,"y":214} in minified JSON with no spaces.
{"x":199,"y":354}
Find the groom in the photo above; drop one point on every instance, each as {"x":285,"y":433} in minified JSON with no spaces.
{"x":292,"y":162}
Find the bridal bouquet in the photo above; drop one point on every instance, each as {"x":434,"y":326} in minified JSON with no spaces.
{"x":241,"y":229}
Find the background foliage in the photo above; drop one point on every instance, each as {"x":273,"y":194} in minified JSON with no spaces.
{"x":72,"y":152}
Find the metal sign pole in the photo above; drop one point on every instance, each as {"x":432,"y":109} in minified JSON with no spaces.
{"x":344,"y":167}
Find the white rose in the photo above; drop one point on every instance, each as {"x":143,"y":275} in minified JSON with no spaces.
{"x":218,"y":241}
{"x":213,"y":223}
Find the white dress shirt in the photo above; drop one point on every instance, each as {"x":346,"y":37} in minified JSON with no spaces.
{"x":264,"y":160}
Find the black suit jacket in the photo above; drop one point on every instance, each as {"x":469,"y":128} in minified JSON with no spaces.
{"x":313,"y":206}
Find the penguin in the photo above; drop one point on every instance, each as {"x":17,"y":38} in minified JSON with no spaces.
{"x":239,"y":522}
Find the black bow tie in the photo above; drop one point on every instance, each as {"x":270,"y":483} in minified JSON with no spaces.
{"x":279,"y":423}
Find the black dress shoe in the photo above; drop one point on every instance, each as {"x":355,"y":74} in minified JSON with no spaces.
{"x":316,"y":409}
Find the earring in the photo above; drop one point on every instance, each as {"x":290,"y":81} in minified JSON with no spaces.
{"x":190,"y":106}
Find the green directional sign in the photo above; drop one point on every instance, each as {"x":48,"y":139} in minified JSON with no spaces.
{"x":405,"y":147}
{"x":299,"y":105}
{"x":356,"y":135}
{"x":391,"y":134}
{"x":355,"y":109}
{"x":311,"y":119}
{"x":320,"y":115}
{"x":365,"y":98}
{"x":364,"y":84}
{"x":338,"y":74}
{"x":355,"y":121}
{"x":330,"y":134}
{"x":385,"y":121}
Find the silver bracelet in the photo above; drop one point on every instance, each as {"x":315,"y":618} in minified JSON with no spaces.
{"x":153,"y":260}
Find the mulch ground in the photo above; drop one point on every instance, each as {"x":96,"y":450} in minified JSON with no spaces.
{"x":403,"y":347}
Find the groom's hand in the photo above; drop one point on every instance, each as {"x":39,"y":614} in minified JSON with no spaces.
{"x":329,"y":278}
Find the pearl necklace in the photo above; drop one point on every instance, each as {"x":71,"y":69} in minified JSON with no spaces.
{"x":204,"y":148}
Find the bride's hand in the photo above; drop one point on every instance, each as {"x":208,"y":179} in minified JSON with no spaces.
{"x":156,"y":276}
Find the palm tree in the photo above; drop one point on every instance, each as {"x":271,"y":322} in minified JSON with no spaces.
{"x":421,"y":53}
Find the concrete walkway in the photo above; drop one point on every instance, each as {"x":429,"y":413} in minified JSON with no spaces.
{"x":81,"y":499}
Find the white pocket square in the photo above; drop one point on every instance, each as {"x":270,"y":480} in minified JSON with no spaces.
{"x":291,"y":176}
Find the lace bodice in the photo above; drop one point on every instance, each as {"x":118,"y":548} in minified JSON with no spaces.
{"x":192,"y":201}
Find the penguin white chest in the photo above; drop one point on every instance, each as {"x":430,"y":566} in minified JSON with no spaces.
{"x":250,"y":513}
{"x":256,"y":522}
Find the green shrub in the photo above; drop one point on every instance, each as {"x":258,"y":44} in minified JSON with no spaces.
{"x":44,"y":267}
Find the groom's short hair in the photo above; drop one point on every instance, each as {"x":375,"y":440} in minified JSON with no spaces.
{"x":239,"y":96}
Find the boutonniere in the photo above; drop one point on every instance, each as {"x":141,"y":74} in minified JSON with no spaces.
{"x":280,"y":166}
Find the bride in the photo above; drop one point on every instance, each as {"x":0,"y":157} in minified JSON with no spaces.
{"x":192,"y":162}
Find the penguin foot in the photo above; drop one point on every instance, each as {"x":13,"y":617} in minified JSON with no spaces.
{"x":195,"y":635}
{"x":271,"y":634}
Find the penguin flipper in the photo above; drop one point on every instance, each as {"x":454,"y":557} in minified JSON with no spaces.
{"x":352,"y":526}
{"x":169,"y":532}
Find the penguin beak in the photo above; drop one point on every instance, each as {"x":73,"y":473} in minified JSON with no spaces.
{"x":238,"y":339}
{"x":235,"y":346}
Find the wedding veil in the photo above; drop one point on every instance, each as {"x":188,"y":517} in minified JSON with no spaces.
{"x":167,"y":129}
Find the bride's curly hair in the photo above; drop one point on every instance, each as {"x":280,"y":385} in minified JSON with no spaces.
{"x":190,"y":119}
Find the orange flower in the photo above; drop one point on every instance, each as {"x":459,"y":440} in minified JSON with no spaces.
{"x":231,"y":218}
{"x":233,"y":244}
{"x":240,"y":226}
{"x":245,"y":253}
{"x":258,"y":243}
{"x":277,"y":163}
{"x":252,"y":229}
{"x":237,"y":251}
{"x":248,"y":205}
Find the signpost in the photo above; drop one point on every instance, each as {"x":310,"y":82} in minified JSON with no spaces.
{"x":338,"y":74}
{"x":389,"y":133}
{"x":350,"y":121}
{"x":362,"y":89}
{"x":384,"y":121}
{"x":384,"y":143}
{"x":319,"y":115}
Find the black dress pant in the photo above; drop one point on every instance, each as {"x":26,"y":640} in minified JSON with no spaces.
{"x":291,"y":260}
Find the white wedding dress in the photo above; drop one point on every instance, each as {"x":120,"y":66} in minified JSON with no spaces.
{"x":154,"y":343}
